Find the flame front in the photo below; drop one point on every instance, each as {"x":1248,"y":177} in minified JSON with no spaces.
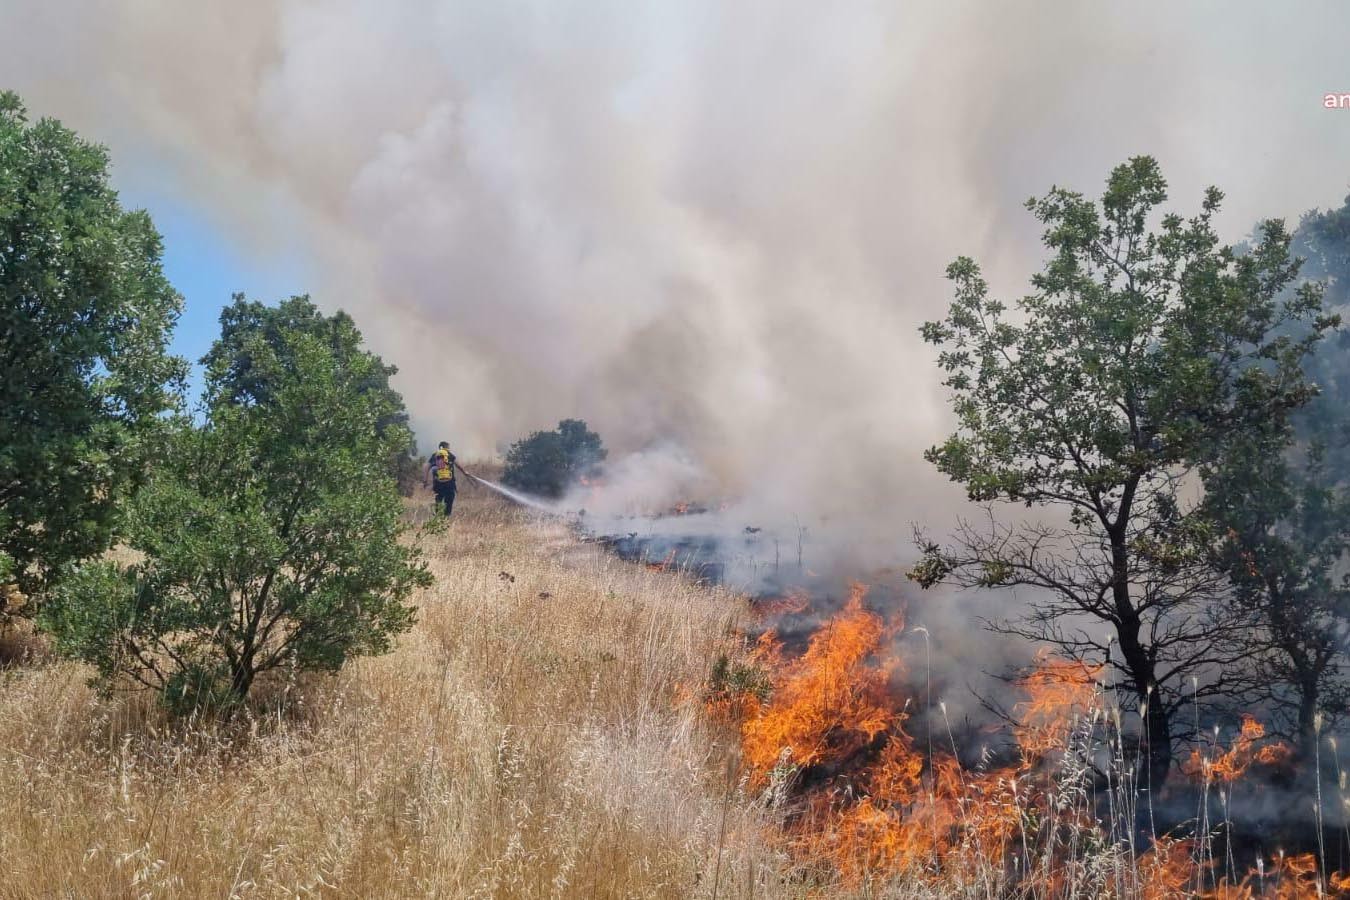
{"x":827,"y":704}
{"x":882,"y":806}
{"x":862,"y":800}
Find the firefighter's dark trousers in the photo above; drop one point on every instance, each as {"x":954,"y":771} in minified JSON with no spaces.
{"x":445,"y":493}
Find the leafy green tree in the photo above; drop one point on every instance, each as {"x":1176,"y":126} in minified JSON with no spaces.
{"x":547,"y":463}
{"x":85,"y":319}
{"x":1282,"y":531}
{"x":1278,"y":496}
{"x":409,"y":469}
{"x":1323,"y":237}
{"x":246,"y":324}
{"x":1137,"y":353}
{"x":270,"y":537}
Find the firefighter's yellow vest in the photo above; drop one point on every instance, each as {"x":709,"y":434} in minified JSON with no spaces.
{"x":444,"y":469}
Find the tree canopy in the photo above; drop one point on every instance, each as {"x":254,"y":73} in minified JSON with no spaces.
{"x":1323,"y":237}
{"x":1138,"y":354}
{"x":1278,"y":499}
{"x":547,"y":463}
{"x":85,"y":319}
{"x":270,"y":536}
{"x":248,"y":327}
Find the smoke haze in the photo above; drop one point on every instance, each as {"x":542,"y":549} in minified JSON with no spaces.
{"x":710,"y":229}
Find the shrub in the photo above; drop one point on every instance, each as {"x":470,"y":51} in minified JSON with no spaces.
{"x":270,"y":537}
{"x":547,"y":463}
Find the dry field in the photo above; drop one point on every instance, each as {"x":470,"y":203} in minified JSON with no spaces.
{"x":544,"y":731}
{"x":526,"y":739}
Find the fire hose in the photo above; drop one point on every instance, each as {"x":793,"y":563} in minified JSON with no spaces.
{"x":466,"y":474}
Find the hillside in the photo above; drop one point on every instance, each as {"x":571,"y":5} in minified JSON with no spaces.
{"x":526,"y":739}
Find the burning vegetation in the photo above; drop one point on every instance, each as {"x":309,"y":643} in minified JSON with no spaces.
{"x":825,"y":741}
{"x":1178,"y":647}
{"x":1157,"y":398}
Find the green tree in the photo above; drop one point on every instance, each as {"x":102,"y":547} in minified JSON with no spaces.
{"x":271,"y":537}
{"x":246,"y":324}
{"x":85,"y":319}
{"x":1323,"y":237}
{"x":1137,"y":353}
{"x":547,"y":463}
{"x":1278,"y":496}
{"x":1282,"y":531}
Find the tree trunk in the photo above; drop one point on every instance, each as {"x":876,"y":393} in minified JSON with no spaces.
{"x":1307,"y":722}
{"x":1289,"y":638}
{"x":241,"y":677}
{"x":1156,"y":763}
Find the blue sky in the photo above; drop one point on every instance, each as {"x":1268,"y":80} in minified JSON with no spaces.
{"x":207,"y":267}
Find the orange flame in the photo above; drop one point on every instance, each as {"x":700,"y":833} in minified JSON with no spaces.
{"x":1290,"y":877}
{"x":1167,"y":870}
{"x":664,"y":564}
{"x":830,"y":702}
{"x":793,"y":602}
{"x":868,"y":803}
{"x":894,"y":808}
{"x":1232,"y":765}
{"x":1058,"y":692}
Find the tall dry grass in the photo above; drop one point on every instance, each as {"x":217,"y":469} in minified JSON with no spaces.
{"x":537,"y":734}
{"x":524,"y":740}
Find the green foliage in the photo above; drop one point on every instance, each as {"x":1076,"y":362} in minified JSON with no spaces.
{"x":1282,"y":533}
{"x":85,"y":319}
{"x":249,"y":328}
{"x":408,"y":471}
{"x":269,"y":537}
{"x":547,"y":463}
{"x":1139,"y":354}
{"x":1278,"y":503}
{"x":200,"y":686}
{"x":1324,"y":238}
{"x":737,"y":678}
{"x":1134,"y":350}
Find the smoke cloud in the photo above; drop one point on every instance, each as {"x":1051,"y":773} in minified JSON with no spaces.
{"x":710,"y":229}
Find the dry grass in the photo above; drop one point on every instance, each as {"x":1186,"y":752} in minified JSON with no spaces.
{"x":538,"y":734}
{"x":524,"y":740}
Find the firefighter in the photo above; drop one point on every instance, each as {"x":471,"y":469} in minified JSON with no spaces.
{"x":441,"y":476}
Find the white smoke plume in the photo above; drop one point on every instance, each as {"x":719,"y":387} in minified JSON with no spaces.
{"x":705,"y":224}
{"x":646,"y":482}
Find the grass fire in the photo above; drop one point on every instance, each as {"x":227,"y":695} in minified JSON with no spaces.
{"x":823,"y":735}
{"x":521,"y":450}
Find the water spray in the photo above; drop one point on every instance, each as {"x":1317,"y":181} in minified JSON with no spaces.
{"x":509,"y":494}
